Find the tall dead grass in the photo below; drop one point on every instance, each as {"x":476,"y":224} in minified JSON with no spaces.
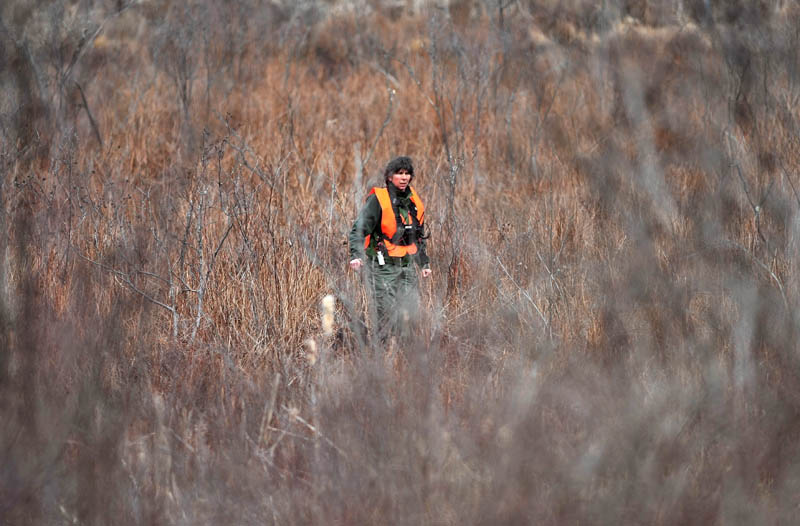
{"x":609,"y":335}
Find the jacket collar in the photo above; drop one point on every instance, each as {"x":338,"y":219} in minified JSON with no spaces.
{"x":396,"y":192}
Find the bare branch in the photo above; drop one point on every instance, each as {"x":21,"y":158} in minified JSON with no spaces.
{"x":524,"y":293}
{"x":389,"y":111}
{"x":92,"y":122}
{"x":125,"y":279}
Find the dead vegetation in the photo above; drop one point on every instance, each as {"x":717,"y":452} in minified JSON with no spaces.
{"x":609,"y":335}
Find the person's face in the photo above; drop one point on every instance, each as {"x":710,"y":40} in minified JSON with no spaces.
{"x":400,"y":179}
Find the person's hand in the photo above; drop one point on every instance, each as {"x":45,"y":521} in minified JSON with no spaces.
{"x":356,"y":264}
{"x":426,"y":272}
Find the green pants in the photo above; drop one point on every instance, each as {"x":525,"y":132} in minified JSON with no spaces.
{"x":396,"y":295}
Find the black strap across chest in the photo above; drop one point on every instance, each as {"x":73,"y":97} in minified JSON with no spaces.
{"x":399,"y":232}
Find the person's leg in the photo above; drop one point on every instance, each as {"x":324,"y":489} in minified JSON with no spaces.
{"x":385,"y":282}
{"x":407,"y":302}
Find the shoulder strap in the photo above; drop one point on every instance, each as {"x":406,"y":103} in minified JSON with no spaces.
{"x":401,"y":225}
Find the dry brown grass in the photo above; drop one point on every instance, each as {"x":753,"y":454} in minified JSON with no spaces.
{"x":609,"y":335}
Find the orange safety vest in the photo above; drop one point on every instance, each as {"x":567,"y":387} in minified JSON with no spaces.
{"x":390,"y":221}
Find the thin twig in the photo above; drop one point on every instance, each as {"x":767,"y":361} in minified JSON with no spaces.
{"x":87,"y":41}
{"x":319,"y":434}
{"x":416,"y":81}
{"x":126,"y":280}
{"x":269,"y":407}
{"x":766,"y":269}
{"x":525,"y":293}
{"x":92,"y":122}
{"x":389,"y":111}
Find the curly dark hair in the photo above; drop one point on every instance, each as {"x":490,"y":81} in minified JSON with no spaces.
{"x":397,"y":164}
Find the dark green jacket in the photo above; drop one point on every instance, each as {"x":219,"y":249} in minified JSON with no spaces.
{"x":369,"y":222}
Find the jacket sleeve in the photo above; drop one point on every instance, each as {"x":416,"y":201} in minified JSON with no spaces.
{"x":367,"y":221}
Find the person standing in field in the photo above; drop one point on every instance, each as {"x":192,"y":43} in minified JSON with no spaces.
{"x":388,"y":238}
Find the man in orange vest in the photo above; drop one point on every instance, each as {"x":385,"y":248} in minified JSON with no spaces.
{"x":388,"y":237}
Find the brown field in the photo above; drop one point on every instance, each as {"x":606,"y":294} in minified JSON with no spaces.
{"x":610,"y":332}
